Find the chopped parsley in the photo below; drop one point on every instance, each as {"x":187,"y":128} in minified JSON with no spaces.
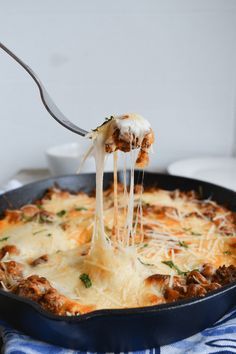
{"x":48,"y":235}
{"x":39,"y":206}
{"x":187,"y":229}
{"x":195,"y":233}
{"x":146,"y":264}
{"x":39,"y":231}
{"x":106,"y":121}
{"x":4,"y":239}
{"x":80,"y":208}
{"x":145,"y":245}
{"x":174,"y":266}
{"x":183,"y":244}
{"x":228,"y":253}
{"x":61,"y":213}
{"x":44,"y":218}
{"x":86,"y":280}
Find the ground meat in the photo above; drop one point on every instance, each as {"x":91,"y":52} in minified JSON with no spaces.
{"x":208,"y":270}
{"x":195,"y":283}
{"x":30,"y":210}
{"x":13,"y":216}
{"x":10,"y":249}
{"x":171,"y":295}
{"x":12,"y":269}
{"x":195,"y":290}
{"x":52,"y":301}
{"x":64,"y":225}
{"x":225,"y":275}
{"x":142,"y":159}
{"x":116,"y":142}
{"x":148,"y":140}
{"x":194,"y":277}
{"x":212,"y":286}
{"x":128,"y":141}
{"x":39,"y":289}
{"x":158,"y":279}
{"x":182,"y":289}
{"x":33,"y":287}
{"x":39,"y":260}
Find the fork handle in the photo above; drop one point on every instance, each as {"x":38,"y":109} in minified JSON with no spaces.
{"x":49,"y":104}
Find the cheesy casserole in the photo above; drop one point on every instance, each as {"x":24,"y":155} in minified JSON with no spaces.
{"x":182,"y":247}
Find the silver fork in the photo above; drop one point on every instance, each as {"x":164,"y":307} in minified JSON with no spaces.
{"x":48,"y":103}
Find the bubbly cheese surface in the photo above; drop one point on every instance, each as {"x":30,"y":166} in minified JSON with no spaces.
{"x":173,"y":229}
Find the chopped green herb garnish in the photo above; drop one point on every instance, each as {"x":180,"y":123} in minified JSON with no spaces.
{"x":44,"y":219}
{"x":39,"y":206}
{"x":228,"y":253}
{"x":4,"y":239}
{"x":146,"y":264}
{"x":187,"y":229}
{"x":106,"y":121}
{"x":183,"y":244}
{"x":80,"y":208}
{"x":195,"y":233}
{"x":145,"y":245}
{"x":48,"y":235}
{"x":174,"y":266}
{"x":61,"y":213}
{"x":39,"y":231}
{"x":86,"y":280}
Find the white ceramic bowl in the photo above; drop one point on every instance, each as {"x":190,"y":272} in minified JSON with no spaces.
{"x":65,"y":159}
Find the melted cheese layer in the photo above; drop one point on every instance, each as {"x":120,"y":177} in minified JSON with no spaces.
{"x":173,"y":229}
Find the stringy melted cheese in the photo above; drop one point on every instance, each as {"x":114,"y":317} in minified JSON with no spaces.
{"x":120,"y":237}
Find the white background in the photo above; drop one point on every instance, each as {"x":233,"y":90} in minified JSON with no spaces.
{"x":174,"y":62}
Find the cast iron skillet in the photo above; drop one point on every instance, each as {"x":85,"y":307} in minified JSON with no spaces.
{"x":125,"y":329}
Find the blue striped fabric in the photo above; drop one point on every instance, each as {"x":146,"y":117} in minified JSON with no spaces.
{"x":219,"y":338}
